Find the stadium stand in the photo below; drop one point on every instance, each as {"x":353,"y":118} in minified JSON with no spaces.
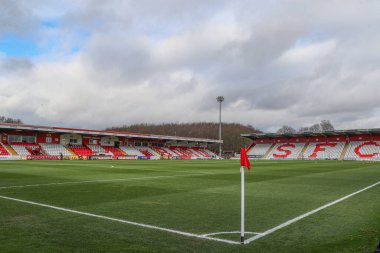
{"x":22,"y":148}
{"x":363,"y":150}
{"x":39,"y":142}
{"x":331,"y":150}
{"x":211,"y":154}
{"x":114,"y":151}
{"x":357,"y":150}
{"x":153,"y":152}
{"x":179,"y":152}
{"x":55,"y":149}
{"x":357,"y":144}
{"x":183,"y":152}
{"x":259,"y":150}
{"x":199,"y":154}
{"x":168,"y":150}
{"x":286,"y":151}
{"x":81,"y":150}
{"x":3,"y":150}
{"x":195,"y":154}
{"x":202,"y":152}
{"x":145,"y":152}
{"x":189,"y":153}
{"x":42,"y":142}
{"x":148,"y":152}
{"x":131,"y":151}
{"x":96,"y":149}
{"x":163,"y":152}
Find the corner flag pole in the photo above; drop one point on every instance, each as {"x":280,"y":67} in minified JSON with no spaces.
{"x":244,"y":162}
{"x":242,"y":205}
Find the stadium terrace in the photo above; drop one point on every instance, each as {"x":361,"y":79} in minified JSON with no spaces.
{"x":29,"y":142}
{"x":359,"y":144}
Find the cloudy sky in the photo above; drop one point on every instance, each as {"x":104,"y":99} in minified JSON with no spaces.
{"x":95,"y":64}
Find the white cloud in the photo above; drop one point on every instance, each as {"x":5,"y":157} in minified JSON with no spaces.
{"x":311,"y":53}
{"x":120,"y":62}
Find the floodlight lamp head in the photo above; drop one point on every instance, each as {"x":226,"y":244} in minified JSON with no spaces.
{"x":220,"y":99}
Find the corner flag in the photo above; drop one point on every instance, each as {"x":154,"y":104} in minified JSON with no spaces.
{"x":244,"y":162}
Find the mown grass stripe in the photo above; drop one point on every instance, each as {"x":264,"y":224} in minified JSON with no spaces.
{"x":120,"y":220}
{"x":298,"y":218}
{"x":100,"y":181}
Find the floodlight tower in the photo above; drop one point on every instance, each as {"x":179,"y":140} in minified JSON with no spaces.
{"x":220,"y":99}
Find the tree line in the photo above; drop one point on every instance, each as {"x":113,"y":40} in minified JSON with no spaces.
{"x":323,"y":126}
{"x":4,"y":119}
{"x":232,"y":141}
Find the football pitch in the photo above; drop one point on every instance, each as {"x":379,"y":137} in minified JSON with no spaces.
{"x":188,"y":206}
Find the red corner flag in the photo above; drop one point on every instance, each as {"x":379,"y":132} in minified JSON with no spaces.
{"x":244,"y":159}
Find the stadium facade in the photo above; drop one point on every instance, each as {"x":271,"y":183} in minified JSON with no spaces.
{"x":359,"y":144}
{"x":30,"y":142}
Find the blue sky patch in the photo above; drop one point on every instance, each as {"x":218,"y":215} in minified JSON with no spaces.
{"x":16,"y":47}
{"x":50,"y":23}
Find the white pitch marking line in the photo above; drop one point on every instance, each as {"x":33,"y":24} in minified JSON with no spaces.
{"x":289,"y":222}
{"x":230,"y":232}
{"x":98,"y":181}
{"x":120,"y":220}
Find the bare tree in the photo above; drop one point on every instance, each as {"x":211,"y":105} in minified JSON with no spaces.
{"x":286,"y":130}
{"x":10,"y":120}
{"x":326,"y":125}
{"x":304,"y":130}
{"x":315,"y":128}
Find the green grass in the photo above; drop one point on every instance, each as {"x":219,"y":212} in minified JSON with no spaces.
{"x":198,"y":197}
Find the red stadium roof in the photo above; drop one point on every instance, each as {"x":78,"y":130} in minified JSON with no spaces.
{"x":63,"y":130}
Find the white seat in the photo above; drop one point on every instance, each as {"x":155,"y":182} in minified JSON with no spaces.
{"x":131,"y":151}
{"x":55,"y":149}
{"x":259,"y":149}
